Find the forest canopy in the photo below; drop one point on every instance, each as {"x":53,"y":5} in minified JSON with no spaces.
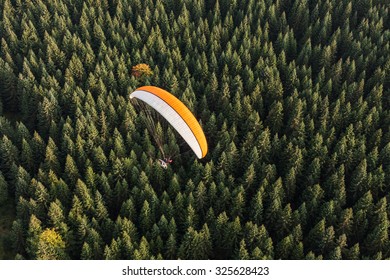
{"x":293,"y":97}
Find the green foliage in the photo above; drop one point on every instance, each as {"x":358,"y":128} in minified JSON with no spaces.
{"x":3,"y":190}
{"x":293,"y":99}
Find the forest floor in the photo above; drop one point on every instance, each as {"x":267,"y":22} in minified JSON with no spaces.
{"x":7,"y":216}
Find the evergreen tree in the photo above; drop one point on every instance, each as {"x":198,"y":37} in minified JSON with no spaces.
{"x":3,"y":190}
{"x":33,"y":237}
{"x":292,"y":97}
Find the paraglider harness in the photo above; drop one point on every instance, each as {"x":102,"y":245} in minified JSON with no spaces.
{"x":164,"y":162}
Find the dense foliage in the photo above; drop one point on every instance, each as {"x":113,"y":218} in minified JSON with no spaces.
{"x":294,"y":97}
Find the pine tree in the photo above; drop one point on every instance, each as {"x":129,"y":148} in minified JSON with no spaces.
{"x":275,"y":117}
{"x":257,"y":208}
{"x":145,"y":217}
{"x":33,"y":237}
{"x":51,"y":161}
{"x":21,"y":183}
{"x":71,"y":172}
{"x":112,"y":252}
{"x":378,"y":239}
{"x":7,"y":88}
{"x":3,"y":190}
{"x":196,"y":245}
{"x":9,"y":155}
{"x":243,"y":253}
{"x":142,"y":253}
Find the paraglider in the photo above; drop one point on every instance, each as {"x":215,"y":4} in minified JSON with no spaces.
{"x":164,"y":162}
{"x":176,"y":114}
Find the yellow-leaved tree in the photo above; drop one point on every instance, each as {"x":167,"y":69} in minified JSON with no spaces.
{"x":51,"y":246}
{"x":141,"y":70}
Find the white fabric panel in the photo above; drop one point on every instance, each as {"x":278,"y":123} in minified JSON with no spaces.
{"x":171,"y":116}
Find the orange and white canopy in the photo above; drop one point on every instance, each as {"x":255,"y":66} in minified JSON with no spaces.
{"x":177,"y":114}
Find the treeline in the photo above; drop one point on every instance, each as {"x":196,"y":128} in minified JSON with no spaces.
{"x":293,"y":97}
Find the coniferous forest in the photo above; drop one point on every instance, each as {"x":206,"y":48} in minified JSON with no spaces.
{"x":293,"y":97}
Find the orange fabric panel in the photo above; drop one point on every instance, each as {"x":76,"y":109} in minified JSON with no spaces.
{"x":183,"y":111}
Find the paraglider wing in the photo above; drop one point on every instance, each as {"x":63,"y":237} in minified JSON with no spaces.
{"x":177,"y":114}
